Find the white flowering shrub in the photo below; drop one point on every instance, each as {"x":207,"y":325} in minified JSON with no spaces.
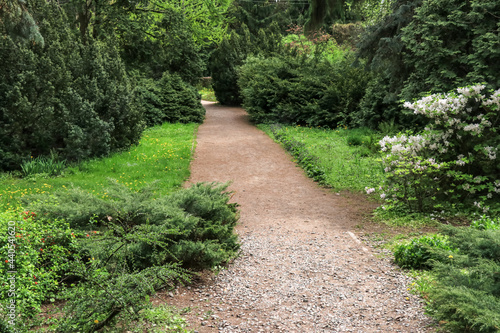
{"x":454,"y":160}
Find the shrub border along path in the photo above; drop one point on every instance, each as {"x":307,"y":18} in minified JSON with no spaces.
{"x":299,"y":269}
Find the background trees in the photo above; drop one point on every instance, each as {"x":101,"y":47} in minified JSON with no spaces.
{"x":84,"y":78}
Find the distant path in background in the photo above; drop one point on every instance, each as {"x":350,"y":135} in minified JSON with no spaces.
{"x":302,"y":267}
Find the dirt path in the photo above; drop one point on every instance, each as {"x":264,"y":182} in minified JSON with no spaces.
{"x":302,"y":269}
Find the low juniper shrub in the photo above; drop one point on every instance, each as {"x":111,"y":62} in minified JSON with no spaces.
{"x":466,"y":295}
{"x":121,"y":250}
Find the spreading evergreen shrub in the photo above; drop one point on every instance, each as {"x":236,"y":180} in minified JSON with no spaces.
{"x":466,"y":297}
{"x":192,"y":226}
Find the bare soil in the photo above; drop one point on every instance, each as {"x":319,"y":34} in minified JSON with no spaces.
{"x":302,"y":267}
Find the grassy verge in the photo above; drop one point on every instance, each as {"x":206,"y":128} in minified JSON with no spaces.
{"x":163,"y":155}
{"x":348,"y":158}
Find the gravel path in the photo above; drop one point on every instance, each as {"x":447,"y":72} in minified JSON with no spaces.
{"x":301,"y":267}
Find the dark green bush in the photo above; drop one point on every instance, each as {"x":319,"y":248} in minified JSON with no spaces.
{"x":413,"y":54}
{"x":232,"y":52}
{"x":168,"y":100}
{"x":440,"y":63}
{"x":63,"y":96}
{"x":295,"y":90}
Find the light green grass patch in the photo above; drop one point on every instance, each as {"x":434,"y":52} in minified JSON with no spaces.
{"x":346,"y":166}
{"x":207,"y":94}
{"x":162,"y":155}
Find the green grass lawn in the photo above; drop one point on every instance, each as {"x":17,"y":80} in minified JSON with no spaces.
{"x":163,"y":155}
{"x":348,"y":158}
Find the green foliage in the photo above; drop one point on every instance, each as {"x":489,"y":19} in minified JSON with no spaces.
{"x":106,"y":296}
{"x":416,"y":254}
{"x":65,"y":97}
{"x":310,"y":92}
{"x":232,"y":52}
{"x":328,"y":11}
{"x":348,"y":34}
{"x":18,"y":22}
{"x":129,"y":246}
{"x":440,"y":63}
{"x":382,"y":47}
{"x":168,"y":100}
{"x":354,"y":140}
{"x":453,"y":161}
{"x":412,"y":53}
{"x":298,"y":149}
{"x":165,"y":318}
{"x":256,"y":16}
{"x":317,"y":46}
{"x":486,"y":223}
{"x":46,"y":165}
{"x":38,"y":250}
{"x":207,"y":94}
{"x":193,"y":226}
{"x":466,"y":296}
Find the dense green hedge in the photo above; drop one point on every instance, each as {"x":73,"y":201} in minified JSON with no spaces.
{"x":75,"y":99}
{"x":295,"y":90}
{"x":169,"y":99}
{"x":66,"y":96}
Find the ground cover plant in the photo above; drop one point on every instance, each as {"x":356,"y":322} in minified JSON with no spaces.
{"x":101,"y":238}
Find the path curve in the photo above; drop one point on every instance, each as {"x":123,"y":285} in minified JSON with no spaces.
{"x":301,"y":269}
